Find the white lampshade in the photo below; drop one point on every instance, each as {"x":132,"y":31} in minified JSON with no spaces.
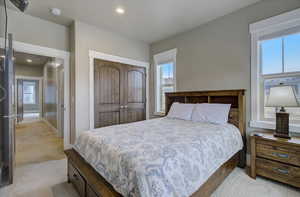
{"x":282,"y":96}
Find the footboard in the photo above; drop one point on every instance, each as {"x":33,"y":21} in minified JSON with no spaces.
{"x":85,"y":179}
{"x":89,"y":183}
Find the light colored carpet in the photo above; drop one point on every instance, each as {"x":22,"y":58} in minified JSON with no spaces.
{"x":48,"y":179}
{"x":239,"y":184}
{"x":37,"y":142}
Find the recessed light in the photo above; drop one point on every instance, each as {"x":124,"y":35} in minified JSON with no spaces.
{"x":55,"y":64}
{"x":120,"y":10}
{"x":3,"y":57}
{"x":29,"y":60}
{"x":55,"y":11}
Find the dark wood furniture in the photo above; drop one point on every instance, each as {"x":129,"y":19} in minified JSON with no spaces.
{"x":120,"y":93}
{"x":89,"y":183}
{"x":282,"y":125}
{"x":275,"y":158}
{"x":234,"y":97}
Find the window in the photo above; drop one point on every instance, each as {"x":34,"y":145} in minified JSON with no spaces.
{"x":280,"y":55}
{"x":275,"y":60}
{"x":165,"y":83}
{"x":29,"y":92}
{"x":165,"y":66}
{"x":269,"y":112}
{"x":280,"y":64}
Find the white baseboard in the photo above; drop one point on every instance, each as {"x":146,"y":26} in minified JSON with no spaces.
{"x":50,"y":125}
{"x":68,"y":146}
{"x":29,"y":121}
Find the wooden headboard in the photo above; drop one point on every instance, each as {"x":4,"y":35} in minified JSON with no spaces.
{"x":234,"y":97}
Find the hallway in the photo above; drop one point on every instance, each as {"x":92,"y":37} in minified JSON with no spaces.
{"x":36,"y":142}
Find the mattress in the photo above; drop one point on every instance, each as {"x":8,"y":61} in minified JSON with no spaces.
{"x":159,"y":157}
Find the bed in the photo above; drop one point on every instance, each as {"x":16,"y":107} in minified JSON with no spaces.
{"x":161,"y":157}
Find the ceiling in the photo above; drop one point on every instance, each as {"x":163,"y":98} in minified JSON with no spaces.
{"x":146,"y":20}
{"x":37,"y":60}
{"x":21,"y":59}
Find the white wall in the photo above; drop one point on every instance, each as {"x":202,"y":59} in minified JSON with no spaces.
{"x":216,"y":55}
{"x":79,"y":39}
{"x":33,"y":30}
{"x":87,"y":38}
{"x":50,"y":94}
{"x":29,"y":71}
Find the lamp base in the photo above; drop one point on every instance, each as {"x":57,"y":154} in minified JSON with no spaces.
{"x":282,"y":125}
{"x":282,"y":135}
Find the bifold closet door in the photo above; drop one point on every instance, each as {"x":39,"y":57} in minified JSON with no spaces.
{"x":107,"y":93}
{"x":119,"y":94}
{"x":134,"y":103}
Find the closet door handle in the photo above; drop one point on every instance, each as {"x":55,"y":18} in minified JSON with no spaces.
{"x":121,"y":107}
{"x":125,"y":106}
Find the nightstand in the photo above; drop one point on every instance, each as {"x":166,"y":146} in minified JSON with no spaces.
{"x":275,"y":158}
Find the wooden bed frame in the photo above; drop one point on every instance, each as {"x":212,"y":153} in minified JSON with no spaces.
{"x":89,"y":183}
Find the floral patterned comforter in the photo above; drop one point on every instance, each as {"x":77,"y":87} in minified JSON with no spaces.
{"x":159,"y":157}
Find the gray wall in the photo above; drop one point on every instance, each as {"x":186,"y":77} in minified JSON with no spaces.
{"x":72,"y":85}
{"x":50,"y":95}
{"x":32,"y":30}
{"x":216,"y":55}
{"x":91,"y":38}
{"x":29,"y":108}
{"x":29,"y":71}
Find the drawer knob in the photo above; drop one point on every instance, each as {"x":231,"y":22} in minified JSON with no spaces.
{"x":281,"y":155}
{"x":282,"y":171}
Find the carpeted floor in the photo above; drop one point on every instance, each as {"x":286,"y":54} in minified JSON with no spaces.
{"x":48,"y":179}
{"x":37,"y":142}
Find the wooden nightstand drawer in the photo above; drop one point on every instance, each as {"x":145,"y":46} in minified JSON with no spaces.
{"x":278,"y":171}
{"x":275,"y":158}
{"x":278,"y":153}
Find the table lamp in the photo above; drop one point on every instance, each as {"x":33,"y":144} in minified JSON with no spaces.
{"x":282,"y":96}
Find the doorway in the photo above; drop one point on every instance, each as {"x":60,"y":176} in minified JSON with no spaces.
{"x":9,"y":94}
{"x":63,"y":56}
{"x":28,"y":99}
{"x":39,"y":107}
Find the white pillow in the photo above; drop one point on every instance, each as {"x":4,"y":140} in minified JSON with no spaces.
{"x":213,"y":113}
{"x":181,"y":111}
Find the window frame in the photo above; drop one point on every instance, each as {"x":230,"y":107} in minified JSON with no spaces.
{"x":34,"y":94}
{"x":266,"y":27}
{"x":159,"y":59}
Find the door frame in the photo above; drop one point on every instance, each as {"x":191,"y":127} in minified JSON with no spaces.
{"x":107,"y":57}
{"x":40,"y":80}
{"x":59,"y":107}
{"x":50,"y":52}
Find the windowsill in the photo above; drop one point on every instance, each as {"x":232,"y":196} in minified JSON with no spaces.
{"x":271,"y":125}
